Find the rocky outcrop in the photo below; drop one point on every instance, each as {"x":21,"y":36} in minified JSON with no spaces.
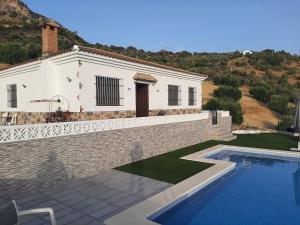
{"x":16,"y":12}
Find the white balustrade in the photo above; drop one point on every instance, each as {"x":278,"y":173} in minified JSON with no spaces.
{"x":37,"y":131}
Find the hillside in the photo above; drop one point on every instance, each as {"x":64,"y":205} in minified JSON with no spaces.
{"x":279,"y":72}
{"x":20,"y":33}
{"x":256,"y":114}
{"x":20,"y":39}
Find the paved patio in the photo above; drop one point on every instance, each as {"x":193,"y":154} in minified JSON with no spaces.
{"x":92,"y":200}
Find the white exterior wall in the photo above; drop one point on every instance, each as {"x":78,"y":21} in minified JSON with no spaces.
{"x":33,"y":76}
{"x":158,"y":92}
{"x":48,"y":78}
{"x":68,"y":90}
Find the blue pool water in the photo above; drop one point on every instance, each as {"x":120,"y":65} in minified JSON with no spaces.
{"x":260,"y":191}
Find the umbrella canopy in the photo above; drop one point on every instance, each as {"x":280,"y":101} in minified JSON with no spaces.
{"x":296,"y":123}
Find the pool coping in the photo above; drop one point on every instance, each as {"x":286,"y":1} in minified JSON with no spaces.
{"x":139,"y":214}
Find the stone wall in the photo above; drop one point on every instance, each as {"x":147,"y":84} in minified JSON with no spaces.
{"x":30,"y":165}
{"x":37,"y":117}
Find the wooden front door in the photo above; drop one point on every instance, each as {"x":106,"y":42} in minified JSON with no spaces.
{"x":142,"y":99}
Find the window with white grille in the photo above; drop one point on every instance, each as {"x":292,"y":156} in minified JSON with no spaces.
{"x":174,"y":95}
{"x":12,"y":96}
{"x":192,"y":96}
{"x":108,"y":91}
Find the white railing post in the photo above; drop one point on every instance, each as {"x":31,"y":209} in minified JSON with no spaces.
{"x":12,"y":134}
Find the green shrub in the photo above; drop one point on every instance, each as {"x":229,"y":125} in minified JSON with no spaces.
{"x":269,"y":73}
{"x":228,"y":92}
{"x":13,"y":14}
{"x":261,"y":93}
{"x":226,"y":80}
{"x":12,"y":53}
{"x":292,"y":71}
{"x":239,"y":64}
{"x":228,"y":104}
{"x":252,"y":73}
{"x":212,"y":104}
{"x":285,"y":122}
{"x":279,"y":103}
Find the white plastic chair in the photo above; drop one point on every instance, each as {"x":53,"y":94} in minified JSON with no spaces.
{"x":10,"y":214}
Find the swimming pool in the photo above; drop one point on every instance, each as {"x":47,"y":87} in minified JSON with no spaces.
{"x":261,"y":190}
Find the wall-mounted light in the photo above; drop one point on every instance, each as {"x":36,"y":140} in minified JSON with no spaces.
{"x":80,"y":85}
{"x":68,"y":79}
{"x":24,"y":85}
{"x":79,"y":62}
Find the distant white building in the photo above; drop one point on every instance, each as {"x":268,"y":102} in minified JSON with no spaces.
{"x":95,"y":84}
{"x":246,"y":52}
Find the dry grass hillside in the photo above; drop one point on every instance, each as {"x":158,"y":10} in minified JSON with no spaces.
{"x":256,"y":114}
{"x":3,"y":66}
{"x":241,"y":64}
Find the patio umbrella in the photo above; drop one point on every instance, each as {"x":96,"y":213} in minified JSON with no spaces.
{"x":296,"y":123}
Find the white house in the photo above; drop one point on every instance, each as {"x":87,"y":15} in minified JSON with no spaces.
{"x":246,"y":52}
{"x":94,"y":84}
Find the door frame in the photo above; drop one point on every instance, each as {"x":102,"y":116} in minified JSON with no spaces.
{"x":143,"y":111}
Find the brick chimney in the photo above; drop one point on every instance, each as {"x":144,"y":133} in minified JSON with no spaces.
{"x":50,"y":37}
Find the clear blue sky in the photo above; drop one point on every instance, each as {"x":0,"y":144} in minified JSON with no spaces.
{"x":193,"y":25}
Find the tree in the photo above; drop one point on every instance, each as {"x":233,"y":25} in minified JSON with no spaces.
{"x":229,"y":92}
{"x":279,"y":104}
{"x":261,"y":93}
{"x":228,"y":80}
{"x":212,"y":104}
{"x":12,"y":53}
{"x":285,"y":123}
{"x":228,"y":104}
{"x":292,"y":71}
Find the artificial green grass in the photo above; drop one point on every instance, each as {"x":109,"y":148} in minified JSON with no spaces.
{"x":170,"y":168}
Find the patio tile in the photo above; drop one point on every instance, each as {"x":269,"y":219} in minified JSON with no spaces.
{"x":104,"y":212}
{"x":63,"y":212}
{"x":85,"y":220}
{"x":116,"y":198}
{"x":32,"y":200}
{"x":73,"y":198}
{"x":91,"y":208}
{"x":107,"y":195}
{"x":32,"y":219}
{"x":71,"y":217}
{"x":98,"y":191}
{"x":47,"y":204}
{"x":58,"y":207}
{"x":33,"y":222}
{"x":89,"y":201}
{"x":127,"y":201}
